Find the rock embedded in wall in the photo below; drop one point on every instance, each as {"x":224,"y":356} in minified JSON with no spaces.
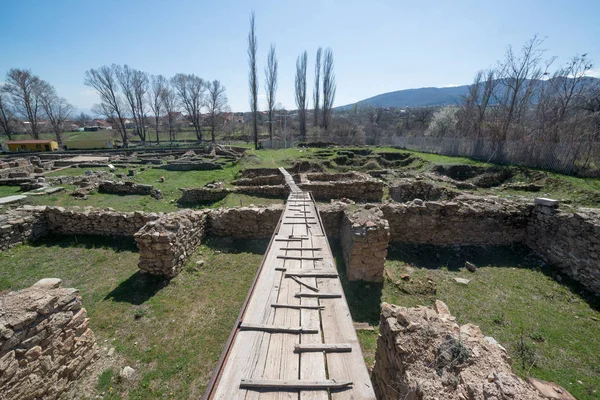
{"x":365,"y":236}
{"x":45,"y":341}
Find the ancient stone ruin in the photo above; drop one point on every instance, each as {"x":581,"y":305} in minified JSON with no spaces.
{"x":45,"y":342}
{"x":422,"y":353}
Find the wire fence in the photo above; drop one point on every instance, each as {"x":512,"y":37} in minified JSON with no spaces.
{"x":572,"y":159}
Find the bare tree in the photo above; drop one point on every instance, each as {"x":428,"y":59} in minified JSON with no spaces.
{"x":83,"y":119}
{"x":134,"y":85}
{"x":217,"y":104}
{"x":329,"y":87}
{"x":271,"y":86}
{"x":253,"y":78}
{"x":155,"y":99}
{"x":56,"y":109}
{"x":169,"y":101}
{"x":317,"y":90}
{"x":6,"y":114}
{"x":24,"y":88}
{"x":300,"y":84}
{"x":111,"y":105}
{"x":190,"y":91}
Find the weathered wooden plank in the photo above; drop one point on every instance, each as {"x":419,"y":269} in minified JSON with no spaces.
{"x":291,"y":384}
{"x":300,"y":223}
{"x":301,"y":216}
{"x":302,"y":248}
{"x":307,"y":285}
{"x":323,"y":347}
{"x":296,"y":306}
{"x":299,"y":258}
{"x":320,"y":295}
{"x":316,"y":273}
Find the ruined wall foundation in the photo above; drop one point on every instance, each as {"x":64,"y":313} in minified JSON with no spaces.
{"x":45,"y":342}
{"x":165,"y":244}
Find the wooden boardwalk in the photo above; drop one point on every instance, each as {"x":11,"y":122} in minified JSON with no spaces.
{"x":294,"y":338}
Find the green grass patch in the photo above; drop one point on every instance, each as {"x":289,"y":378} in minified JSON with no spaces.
{"x":550,"y":329}
{"x":170,"y":332}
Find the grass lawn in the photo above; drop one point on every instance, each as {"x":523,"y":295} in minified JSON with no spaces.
{"x":172,"y":333}
{"x":511,"y":296}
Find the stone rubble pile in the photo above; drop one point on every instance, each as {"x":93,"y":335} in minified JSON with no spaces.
{"x":166,"y":243}
{"x":422,"y":353}
{"x":45,"y":342}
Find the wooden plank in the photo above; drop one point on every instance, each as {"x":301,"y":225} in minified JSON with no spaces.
{"x":323,"y":347}
{"x":291,"y":384}
{"x":302,"y":248}
{"x":299,"y":258}
{"x":300,"y":223}
{"x":303,"y":216}
{"x":312,"y":274}
{"x":320,"y":295}
{"x":296,"y":306}
{"x":307,"y":285}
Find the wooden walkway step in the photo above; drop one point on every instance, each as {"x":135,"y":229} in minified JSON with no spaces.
{"x":297,"y":306}
{"x":320,"y":295}
{"x":300,"y":282}
{"x":315,"y":273}
{"x":275,"y":384}
{"x":299,"y":258}
{"x":276,"y":329}
{"x":323,"y":347}
{"x":302,"y":248}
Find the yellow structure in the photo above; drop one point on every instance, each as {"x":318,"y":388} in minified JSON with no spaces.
{"x":90,"y":144}
{"x":32,"y":145}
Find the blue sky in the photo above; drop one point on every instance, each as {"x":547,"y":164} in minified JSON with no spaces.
{"x":379,"y":46}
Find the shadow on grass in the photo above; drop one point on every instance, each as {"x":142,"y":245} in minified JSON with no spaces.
{"x":364,"y":298}
{"x":236,"y":246}
{"x":117,"y":244}
{"x":137,"y":289}
{"x":507,"y":256}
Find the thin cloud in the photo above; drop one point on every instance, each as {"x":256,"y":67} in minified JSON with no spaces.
{"x":594,"y":73}
{"x":451,"y":85}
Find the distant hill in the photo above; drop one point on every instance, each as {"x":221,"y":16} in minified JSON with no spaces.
{"x":431,"y":96}
{"x":422,"y":97}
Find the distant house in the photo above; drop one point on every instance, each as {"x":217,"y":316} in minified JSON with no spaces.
{"x":32,"y":145}
{"x":176,"y":116}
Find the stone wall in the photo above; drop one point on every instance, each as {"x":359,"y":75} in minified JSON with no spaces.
{"x":129,"y":187}
{"x":261,"y":180}
{"x":355,"y":186}
{"x":190,"y":166}
{"x":422,"y":353}
{"x":202,"y":195}
{"x":94,"y":221}
{"x":166,"y":243}
{"x":570,"y":241}
{"x":469,"y":220}
{"x":21,"y":171}
{"x":26,"y":225}
{"x":409,"y":189}
{"x":244,"y":222}
{"x":364,"y":238}
{"x":45,"y":342}
{"x":275,"y":191}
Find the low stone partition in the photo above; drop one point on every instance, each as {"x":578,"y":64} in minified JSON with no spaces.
{"x":165,"y":244}
{"x":127,"y":188}
{"x":45,"y":342}
{"x":469,"y":220}
{"x":364,"y":238}
{"x":202,"y":195}
{"x":94,"y":221}
{"x":244,"y":222}
{"x":354,"y":185}
{"x":261,"y":180}
{"x":408,"y":189}
{"x":190,"y":166}
{"x":422,"y":353}
{"x":21,"y":226}
{"x":570,"y":241}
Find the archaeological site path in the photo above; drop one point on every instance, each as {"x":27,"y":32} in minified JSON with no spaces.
{"x":294,"y":337}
